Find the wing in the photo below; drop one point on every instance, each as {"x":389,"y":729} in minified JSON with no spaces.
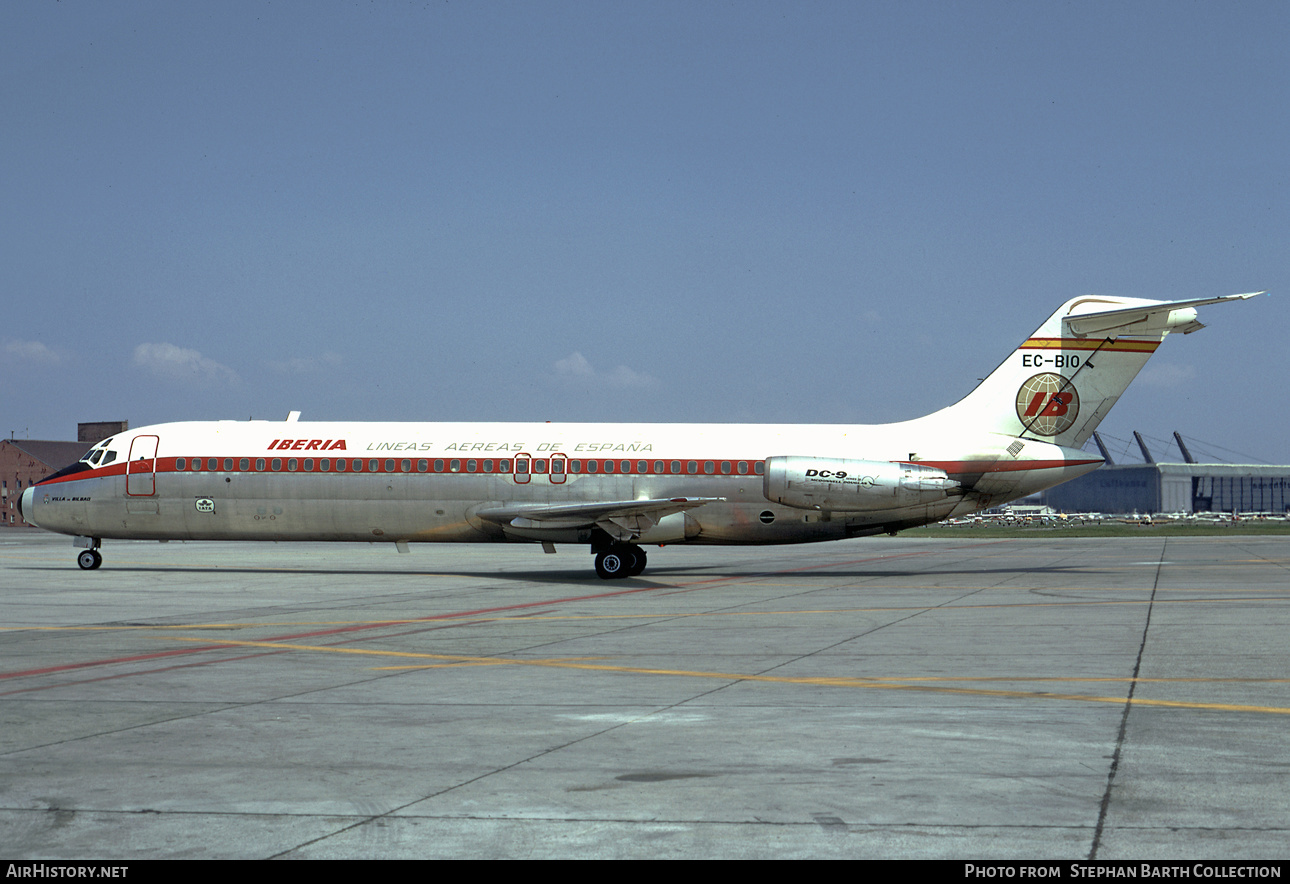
{"x":623,"y":520}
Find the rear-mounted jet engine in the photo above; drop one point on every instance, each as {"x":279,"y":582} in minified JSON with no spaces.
{"x":849,"y":486}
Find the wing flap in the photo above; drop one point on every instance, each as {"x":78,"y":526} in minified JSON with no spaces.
{"x":621,"y":519}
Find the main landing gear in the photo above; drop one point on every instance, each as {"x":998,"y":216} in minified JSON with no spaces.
{"x":620,"y":560}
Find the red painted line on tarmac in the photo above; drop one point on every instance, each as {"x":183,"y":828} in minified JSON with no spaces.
{"x":133,"y":659}
{"x":475,"y":613}
{"x":136,"y":672}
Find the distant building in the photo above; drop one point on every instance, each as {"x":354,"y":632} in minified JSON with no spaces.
{"x":1176,"y":488}
{"x":24,"y":462}
{"x":1188,"y":487}
{"x":96,"y":431}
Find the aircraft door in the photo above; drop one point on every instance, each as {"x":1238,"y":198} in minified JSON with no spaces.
{"x":141,"y":468}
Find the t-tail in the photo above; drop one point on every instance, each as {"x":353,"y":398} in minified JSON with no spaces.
{"x":1061,"y":382}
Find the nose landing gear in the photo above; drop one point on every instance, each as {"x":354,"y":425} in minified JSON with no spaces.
{"x":88,"y":558}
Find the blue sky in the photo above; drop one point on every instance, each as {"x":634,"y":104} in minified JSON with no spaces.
{"x":816,"y":212}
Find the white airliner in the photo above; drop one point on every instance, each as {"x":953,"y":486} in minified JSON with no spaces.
{"x":617,"y":487}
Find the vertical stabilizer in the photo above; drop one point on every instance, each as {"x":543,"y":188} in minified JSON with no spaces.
{"x":1059,"y":384}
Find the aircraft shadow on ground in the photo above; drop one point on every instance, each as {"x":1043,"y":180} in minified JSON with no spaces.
{"x":579,"y":576}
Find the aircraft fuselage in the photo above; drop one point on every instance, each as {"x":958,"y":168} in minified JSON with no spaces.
{"x":428,"y":482}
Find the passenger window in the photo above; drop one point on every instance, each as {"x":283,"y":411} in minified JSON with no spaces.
{"x":743,"y":467}
{"x":438,"y":466}
{"x":277,"y":464}
{"x":244,"y":464}
{"x":259,"y":463}
{"x":658,"y":466}
{"x":389,"y":466}
{"x":309,"y":465}
{"x":676,"y":466}
{"x":325,"y":465}
{"x":180,"y":463}
{"x":292,"y":463}
{"x":423,"y":465}
{"x":488,"y":466}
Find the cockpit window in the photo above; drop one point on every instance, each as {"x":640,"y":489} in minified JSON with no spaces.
{"x":97,"y":452}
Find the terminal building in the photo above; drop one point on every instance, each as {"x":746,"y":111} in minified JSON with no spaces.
{"x":1182,"y":487}
{"x":24,"y":462}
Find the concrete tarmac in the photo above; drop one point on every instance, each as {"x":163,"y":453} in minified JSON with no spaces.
{"x":885,"y":698}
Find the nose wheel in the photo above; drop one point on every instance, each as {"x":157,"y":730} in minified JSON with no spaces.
{"x":620,"y":560}
{"x":89,"y":559}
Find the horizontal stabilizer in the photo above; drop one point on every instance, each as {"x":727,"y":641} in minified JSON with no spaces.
{"x":1146,"y":318}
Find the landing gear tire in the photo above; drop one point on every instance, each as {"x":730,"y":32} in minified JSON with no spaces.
{"x":89,"y":559}
{"x":612,"y":564}
{"x":620,"y":561}
{"x":639,"y":564}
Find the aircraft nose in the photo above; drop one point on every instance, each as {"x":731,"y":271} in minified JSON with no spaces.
{"x":24,"y":504}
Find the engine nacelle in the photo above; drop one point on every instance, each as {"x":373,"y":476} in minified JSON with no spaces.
{"x":849,"y":486}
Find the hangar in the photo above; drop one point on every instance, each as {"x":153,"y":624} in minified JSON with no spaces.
{"x":1182,"y":487}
